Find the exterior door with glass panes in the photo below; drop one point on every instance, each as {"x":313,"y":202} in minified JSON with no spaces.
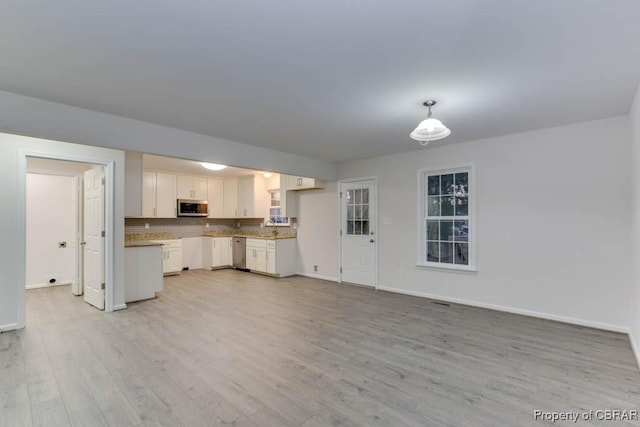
{"x":357,"y":232}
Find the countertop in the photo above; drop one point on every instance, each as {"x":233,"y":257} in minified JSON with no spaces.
{"x":252,"y":235}
{"x":140,"y":243}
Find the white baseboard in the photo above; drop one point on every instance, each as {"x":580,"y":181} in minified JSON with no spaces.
{"x":635,"y":347}
{"x":47,"y":285}
{"x":8,"y":327}
{"x":547,"y":316}
{"x":319,"y":276}
{"x":119,"y":307}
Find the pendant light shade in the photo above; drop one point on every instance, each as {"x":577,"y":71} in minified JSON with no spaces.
{"x":430,"y":129}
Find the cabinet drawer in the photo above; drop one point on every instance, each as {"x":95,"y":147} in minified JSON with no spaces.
{"x":271,"y":244}
{"x":256,"y":243}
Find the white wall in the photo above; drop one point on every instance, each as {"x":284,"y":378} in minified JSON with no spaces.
{"x":30,"y":116}
{"x":318,"y":221}
{"x":12,"y":148}
{"x":553,"y":219}
{"x":51,"y":218}
{"x":635,"y":292}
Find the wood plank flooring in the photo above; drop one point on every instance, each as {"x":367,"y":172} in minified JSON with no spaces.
{"x":233,"y":348}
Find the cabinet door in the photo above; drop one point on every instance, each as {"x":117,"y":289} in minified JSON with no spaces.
{"x":245,"y":197}
{"x":230,"y":205}
{"x":224,"y":243}
{"x":166,"y":195}
{"x":261,"y":259}
{"x":230,"y":251}
{"x":271,"y":261}
{"x":174,"y":260}
{"x":215,"y":197}
{"x":199,"y":188}
{"x":148,"y":194}
{"x":184,"y":190}
{"x":215,"y":252}
{"x":251,"y":258}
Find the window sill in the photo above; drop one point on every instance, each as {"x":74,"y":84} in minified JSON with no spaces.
{"x":444,"y":267}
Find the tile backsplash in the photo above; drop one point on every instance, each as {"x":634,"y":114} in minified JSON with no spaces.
{"x":194,"y":227}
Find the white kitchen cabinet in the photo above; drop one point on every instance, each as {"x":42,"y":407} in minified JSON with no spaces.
{"x":301,"y":182}
{"x":215,"y":197}
{"x":252,"y":197}
{"x":257,"y":255}
{"x":230,"y":198}
{"x":142,"y":272}
{"x":275,"y":257}
{"x":217,"y":252}
{"x":171,"y":256}
{"x":158,"y":195}
{"x":192,"y":187}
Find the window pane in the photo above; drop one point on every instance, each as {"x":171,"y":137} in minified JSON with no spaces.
{"x":461,"y":230}
{"x":358,"y":212}
{"x":365,"y":212}
{"x":358,"y":228}
{"x":433,"y":230}
{"x":365,"y":228}
{"x":462,"y":206}
{"x":446,"y":231}
{"x":349,"y":227}
{"x":446,"y":253}
{"x":462,"y":253}
{"x":447,"y":186}
{"x":434,"y":206}
{"x":350,"y":211}
{"x":365,"y":195}
{"x":433,"y":251}
{"x":350,"y":197}
{"x":446,"y":205}
{"x":462,"y":184}
{"x":433,"y":185}
{"x":358,"y":198}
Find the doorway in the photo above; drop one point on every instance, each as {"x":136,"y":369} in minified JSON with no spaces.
{"x":64,"y":208}
{"x":358,"y":232}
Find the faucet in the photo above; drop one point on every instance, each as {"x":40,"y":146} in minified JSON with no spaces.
{"x":273,"y":227}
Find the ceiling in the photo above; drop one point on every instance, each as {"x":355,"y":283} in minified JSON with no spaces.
{"x":333,"y":80}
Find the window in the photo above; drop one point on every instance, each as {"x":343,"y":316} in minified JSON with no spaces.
{"x":275,"y":210}
{"x":446,"y":218}
{"x":358,"y":212}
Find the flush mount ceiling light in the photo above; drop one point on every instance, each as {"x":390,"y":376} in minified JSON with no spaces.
{"x":267,"y":175}
{"x":430,"y":129}
{"x":213,"y":166}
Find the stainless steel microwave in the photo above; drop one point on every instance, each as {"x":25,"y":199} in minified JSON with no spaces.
{"x":193,"y":207}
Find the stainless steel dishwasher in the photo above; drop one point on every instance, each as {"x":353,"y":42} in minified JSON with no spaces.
{"x":240,"y":253}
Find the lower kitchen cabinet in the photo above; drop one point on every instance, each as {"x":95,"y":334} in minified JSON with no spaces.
{"x":217,"y":252}
{"x":171,"y":256}
{"x":275,"y":257}
{"x":142,"y":272}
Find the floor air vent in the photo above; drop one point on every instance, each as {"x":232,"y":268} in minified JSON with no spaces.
{"x":446,"y":304}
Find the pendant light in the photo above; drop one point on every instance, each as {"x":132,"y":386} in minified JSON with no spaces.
{"x":430,"y":129}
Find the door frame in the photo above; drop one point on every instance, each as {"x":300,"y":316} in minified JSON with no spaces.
{"x":376,"y":283}
{"x":109,"y":171}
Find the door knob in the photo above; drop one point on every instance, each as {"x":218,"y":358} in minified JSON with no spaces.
{"x":83,"y":243}
{"x":371,"y":241}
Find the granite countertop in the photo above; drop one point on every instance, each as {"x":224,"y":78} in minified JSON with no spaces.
{"x":137,"y":237}
{"x":140,"y":243}
{"x":252,"y":234}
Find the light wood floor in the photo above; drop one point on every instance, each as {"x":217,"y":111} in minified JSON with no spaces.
{"x":232,"y":348}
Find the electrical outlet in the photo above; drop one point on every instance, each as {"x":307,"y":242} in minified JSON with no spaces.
{"x":315,"y":267}
{"x":62,"y":244}
{"x":206,"y":225}
{"x":146,"y":225}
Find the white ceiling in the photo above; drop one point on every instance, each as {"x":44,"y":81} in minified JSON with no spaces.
{"x":331,"y":79}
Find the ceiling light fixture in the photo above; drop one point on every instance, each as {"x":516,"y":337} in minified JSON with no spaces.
{"x":430,"y":129}
{"x":213,"y":166}
{"x":267,"y":175}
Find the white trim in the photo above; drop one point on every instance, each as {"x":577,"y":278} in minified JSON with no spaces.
{"x":320,"y":277}
{"x":469,"y":167}
{"x":109,"y":169}
{"x":635,"y":347}
{"x":376,"y":281}
{"x":119,"y":307}
{"x":47,"y":285}
{"x":9,"y":327}
{"x":523,"y":312}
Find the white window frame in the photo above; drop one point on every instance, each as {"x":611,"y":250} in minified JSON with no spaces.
{"x":422,"y":216}
{"x":270,"y":206}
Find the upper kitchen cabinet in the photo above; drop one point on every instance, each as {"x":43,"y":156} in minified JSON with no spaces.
{"x":215,"y":197}
{"x":300,"y":182}
{"x":230,"y":197}
{"x":192,"y":187}
{"x":158,"y":195}
{"x":251,"y":197}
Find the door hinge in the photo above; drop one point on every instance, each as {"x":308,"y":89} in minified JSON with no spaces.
{"x":340,"y":269}
{"x":102,"y":233}
{"x":102,"y":286}
{"x":341,"y":194}
{"x":103,"y":181}
{"x":341,"y":232}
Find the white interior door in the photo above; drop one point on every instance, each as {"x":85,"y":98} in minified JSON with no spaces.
{"x":93,"y":237}
{"x":358,"y":232}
